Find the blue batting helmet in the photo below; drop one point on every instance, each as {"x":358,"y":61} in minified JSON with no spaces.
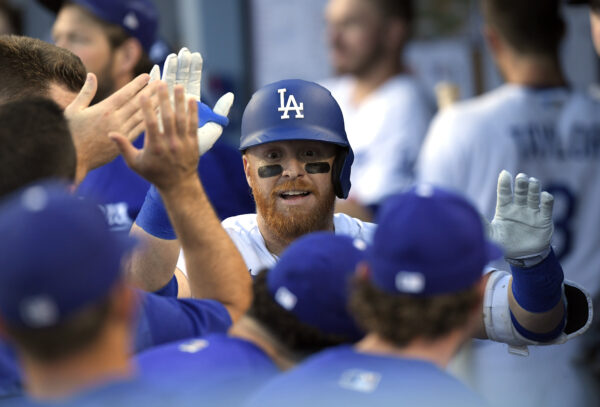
{"x":294,"y":109}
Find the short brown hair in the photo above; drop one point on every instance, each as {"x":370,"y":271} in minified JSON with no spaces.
{"x":116,"y":36}
{"x":36,"y":144}
{"x":401,"y":319}
{"x":297,"y":336}
{"x":529,"y":26}
{"x":28,"y":67}
{"x":402,"y":9}
{"x":68,"y":337}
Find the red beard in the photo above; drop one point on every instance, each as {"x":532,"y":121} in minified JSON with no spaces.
{"x":295,"y":221}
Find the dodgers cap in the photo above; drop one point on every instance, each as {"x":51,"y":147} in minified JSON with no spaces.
{"x":429,"y":242}
{"x":139,"y":18}
{"x":311,"y":280}
{"x":58,"y":255}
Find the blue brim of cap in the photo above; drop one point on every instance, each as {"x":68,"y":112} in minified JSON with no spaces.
{"x":311,"y":133}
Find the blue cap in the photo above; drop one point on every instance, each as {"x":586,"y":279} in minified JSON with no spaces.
{"x":58,"y":255}
{"x":429,"y":242}
{"x":311,"y":280}
{"x":139,"y":18}
{"x":294,"y":109}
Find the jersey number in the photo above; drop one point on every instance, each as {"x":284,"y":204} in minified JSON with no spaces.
{"x":564,"y":209}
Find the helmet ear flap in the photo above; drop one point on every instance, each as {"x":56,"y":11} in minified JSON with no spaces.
{"x":336,"y":171}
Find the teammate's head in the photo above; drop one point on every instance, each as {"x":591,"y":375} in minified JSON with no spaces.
{"x":302,"y":301}
{"x":112,"y":37}
{"x":30,"y":67}
{"x":595,"y":23}
{"x":362,"y":33}
{"x":425,"y":284}
{"x":61,"y":281}
{"x":533,"y":27}
{"x":11,"y":20}
{"x":296,"y":156}
{"x":36,"y":144}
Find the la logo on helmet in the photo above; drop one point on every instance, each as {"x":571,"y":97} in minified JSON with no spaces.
{"x":290,"y":105}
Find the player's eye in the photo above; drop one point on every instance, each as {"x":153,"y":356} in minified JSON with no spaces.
{"x":273,"y":155}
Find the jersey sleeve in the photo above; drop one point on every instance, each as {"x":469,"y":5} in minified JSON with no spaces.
{"x":165,"y":319}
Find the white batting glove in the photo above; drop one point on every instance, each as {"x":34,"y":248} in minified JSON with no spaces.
{"x":186,"y":69}
{"x":523,"y":226}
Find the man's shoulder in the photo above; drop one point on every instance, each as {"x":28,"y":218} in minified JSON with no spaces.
{"x":349,"y":226}
{"x":216,"y":349}
{"x":240,"y":223}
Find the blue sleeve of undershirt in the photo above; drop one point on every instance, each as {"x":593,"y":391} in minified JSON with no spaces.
{"x":164,"y":319}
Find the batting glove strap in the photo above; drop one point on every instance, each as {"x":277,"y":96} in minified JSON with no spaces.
{"x":153,"y":217}
{"x":529,"y":261}
{"x":206,"y":114}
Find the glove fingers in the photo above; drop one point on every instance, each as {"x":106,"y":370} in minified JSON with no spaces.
{"x":547,"y":205}
{"x":533,"y":195}
{"x":170,"y":72}
{"x":208,"y":135}
{"x":224,"y":103}
{"x":154,"y":74}
{"x":521,"y":188}
{"x":184,"y":60}
{"x":504,"y":191}
{"x":193,"y":86}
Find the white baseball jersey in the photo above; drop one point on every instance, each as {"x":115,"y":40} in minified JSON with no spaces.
{"x":243,"y":230}
{"x":552,"y":134}
{"x":386,"y":132}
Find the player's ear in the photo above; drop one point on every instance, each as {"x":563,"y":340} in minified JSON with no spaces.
{"x":247,"y":169}
{"x":127,"y":56}
{"x":123,"y":304}
{"x":362,"y":272}
{"x":396,"y":34}
{"x":492,"y":39}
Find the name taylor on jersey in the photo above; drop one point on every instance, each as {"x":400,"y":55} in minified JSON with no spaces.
{"x":543,"y":141}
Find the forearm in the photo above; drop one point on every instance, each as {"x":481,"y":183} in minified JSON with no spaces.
{"x":151,"y":267}
{"x":215,"y":268}
{"x":536,"y":300}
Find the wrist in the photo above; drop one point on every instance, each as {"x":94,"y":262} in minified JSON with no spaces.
{"x":530,"y":260}
{"x":182,"y":188}
{"x":538,"y":288}
{"x":153,"y":217}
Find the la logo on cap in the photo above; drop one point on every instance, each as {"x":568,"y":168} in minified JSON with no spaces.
{"x":290,"y":105}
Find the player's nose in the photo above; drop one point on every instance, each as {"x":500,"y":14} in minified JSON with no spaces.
{"x":293,"y":168}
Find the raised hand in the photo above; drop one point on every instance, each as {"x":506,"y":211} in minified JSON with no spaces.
{"x":523,"y":225}
{"x":186,"y":69}
{"x":170,"y":153}
{"x":90,"y":125}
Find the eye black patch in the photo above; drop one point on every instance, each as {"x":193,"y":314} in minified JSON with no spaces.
{"x":317,"y":168}
{"x":268,"y":171}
